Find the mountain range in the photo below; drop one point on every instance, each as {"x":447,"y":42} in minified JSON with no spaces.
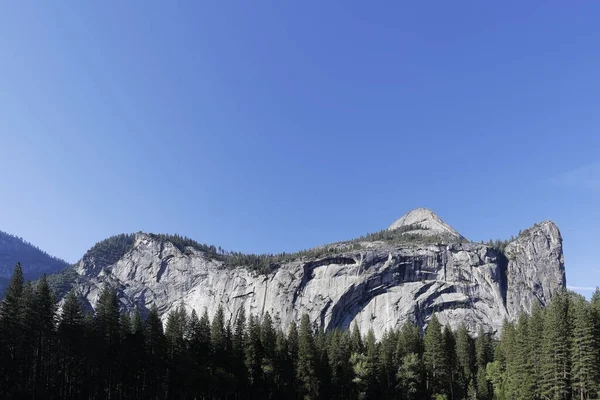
{"x":418,"y":266}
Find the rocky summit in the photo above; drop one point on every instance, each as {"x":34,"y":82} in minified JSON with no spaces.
{"x":416,"y":267}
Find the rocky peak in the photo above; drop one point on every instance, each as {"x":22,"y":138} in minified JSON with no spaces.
{"x":378,"y":282}
{"x":536,"y":263}
{"x":426,"y":219}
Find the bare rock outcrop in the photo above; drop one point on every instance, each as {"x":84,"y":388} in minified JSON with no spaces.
{"x":377,"y":284}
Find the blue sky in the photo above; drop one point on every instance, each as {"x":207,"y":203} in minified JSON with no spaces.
{"x":276,"y":126}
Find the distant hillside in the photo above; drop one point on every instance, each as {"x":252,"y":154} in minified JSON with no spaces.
{"x":34,"y":261}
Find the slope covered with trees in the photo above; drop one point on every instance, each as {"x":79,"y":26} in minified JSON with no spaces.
{"x":551,"y":354}
{"x":36,"y":261}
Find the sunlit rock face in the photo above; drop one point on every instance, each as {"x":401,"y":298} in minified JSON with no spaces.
{"x":380,"y":285}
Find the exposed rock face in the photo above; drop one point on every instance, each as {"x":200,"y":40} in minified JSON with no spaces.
{"x":34,"y":261}
{"x":380,"y":286}
{"x":535,"y":265}
{"x":428,"y":220}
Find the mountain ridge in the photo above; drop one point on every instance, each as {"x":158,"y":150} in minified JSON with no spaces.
{"x":379,"y":280}
{"x":35,"y":262}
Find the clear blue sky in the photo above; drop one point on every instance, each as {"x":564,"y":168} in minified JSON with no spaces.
{"x":276,"y":126}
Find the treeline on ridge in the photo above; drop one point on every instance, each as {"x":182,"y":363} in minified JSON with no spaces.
{"x":110,"y":250}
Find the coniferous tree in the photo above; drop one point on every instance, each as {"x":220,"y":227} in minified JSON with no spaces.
{"x":465,"y":356}
{"x":70,"y":337}
{"x":11,"y":332}
{"x":253,"y":351}
{"x":411,"y":377}
{"x":292,"y":342}
{"x":155,"y":355}
{"x":556,"y":365}
{"x":519,"y":368}
{"x":483,"y":356}
{"x":175,"y":331}
{"x":435,"y":358}
{"x":357,"y":343}
{"x":409,"y":341}
{"x":453,"y":382}
{"x":387,"y":363}
{"x":237,"y":358}
{"x":308,"y":379}
{"x":339,"y":360}
{"x":535,"y":338}
{"x":268,"y":338}
{"x":584,"y":351}
{"x":107,"y":330}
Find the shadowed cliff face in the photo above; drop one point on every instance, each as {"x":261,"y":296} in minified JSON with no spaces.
{"x":380,"y":286}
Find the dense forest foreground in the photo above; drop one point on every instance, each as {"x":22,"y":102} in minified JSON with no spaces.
{"x":554,"y":353}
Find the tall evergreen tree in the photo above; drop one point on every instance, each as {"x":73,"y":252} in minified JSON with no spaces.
{"x":11,"y":335}
{"x":156,"y":355}
{"x":307,"y":361}
{"x":483,"y":356}
{"x":453,"y":383}
{"x":357,"y":343}
{"x":556,"y":365}
{"x":465,"y":356}
{"x":435,"y":358}
{"x":584,"y":351}
{"x":70,"y":335}
{"x":253,"y":351}
{"x":411,"y":377}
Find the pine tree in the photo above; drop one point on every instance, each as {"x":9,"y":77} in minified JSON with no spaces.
{"x":521,"y":367}
{"x":292,"y":341}
{"x":595,"y":313}
{"x":218,"y":338}
{"x":137,"y":325}
{"x":465,"y":356}
{"x":584,"y":351}
{"x":198,"y":348}
{"x":268,"y":338}
{"x":409,"y":342}
{"x":175,"y":331}
{"x":238,"y":341}
{"x":70,"y":334}
{"x":107,"y":328}
{"x":483,"y":356}
{"x":387,"y":364}
{"x":253,"y":351}
{"x":535,"y":337}
{"x":434,"y":358}
{"x":339,"y":361}
{"x":452,"y":384}
{"x":156,"y":354}
{"x":357,"y":343}
{"x":10,"y":315}
{"x":410,"y":377}
{"x":307,"y":361}
{"x":556,"y":366}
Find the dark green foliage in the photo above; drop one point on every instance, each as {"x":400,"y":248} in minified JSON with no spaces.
{"x":556,"y":362}
{"x":307,"y":372}
{"x":551,"y":354}
{"x":499,"y":245}
{"x":112,"y":249}
{"x":109,"y":251}
{"x":62,"y":282}
{"x":183,"y":242}
{"x":435,"y":358}
{"x":14,"y":249}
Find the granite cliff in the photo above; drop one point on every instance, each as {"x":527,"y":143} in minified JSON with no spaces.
{"x":416,"y":267}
